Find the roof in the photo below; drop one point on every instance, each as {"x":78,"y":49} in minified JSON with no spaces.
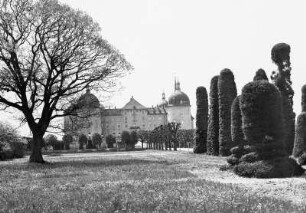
{"x":133,"y":104}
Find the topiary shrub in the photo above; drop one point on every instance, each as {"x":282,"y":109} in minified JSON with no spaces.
{"x":300,"y":133}
{"x":236,"y":123}
{"x":82,"y":141}
{"x":133,"y":139}
{"x":227,"y":92}
{"x":262,"y":125}
{"x":302,"y":159}
{"x":276,"y":168}
{"x":280,"y":55}
{"x":213,"y":120}
{"x":201,"y":121}
{"x":260,"y":75}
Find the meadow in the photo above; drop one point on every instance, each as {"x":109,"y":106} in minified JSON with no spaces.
{"x":141,"y":181}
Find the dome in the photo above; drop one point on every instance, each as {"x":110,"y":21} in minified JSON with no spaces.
{"x":88,"y":100}
{"x":178,"y":98}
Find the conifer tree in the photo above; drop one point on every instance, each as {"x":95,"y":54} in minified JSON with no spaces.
{"x":227,"y":92}
{"x":201,"y":121}
{"x":213,"y":120}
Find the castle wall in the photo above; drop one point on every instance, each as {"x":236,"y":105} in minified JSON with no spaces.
{"x":180,"y":114}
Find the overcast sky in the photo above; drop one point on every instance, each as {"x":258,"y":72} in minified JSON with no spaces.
{"x":194,"y":40}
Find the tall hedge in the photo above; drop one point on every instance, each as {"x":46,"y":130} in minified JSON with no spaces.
{"x":227,"y":92}
{"x":213,"y":120}
{"x":201,"y":121}
{"x":262,"y":124}
{"x":260,"y":75}
{"x":280,"y":55}
{"x":261,"y":113}
{"x":300,"y":133}
{"x":82,"y":141}
{"x":236,"y":123}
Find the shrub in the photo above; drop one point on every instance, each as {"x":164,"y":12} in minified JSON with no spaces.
{"x":52,"y":140}
{"x":260,"y":75}
{"x":232,"y":160}
{"x":280,"y":55}
{"x":82,"y":141}
{"x":300,"y":135}
{"x":227,"y":92}
{"x":276,"y":168}
{"x":304,"y":98}
{"x":213,"y":120}
{"x":201,"y":121}
{"x":262,"y":124}
{"x":110,"y":140}
{"x":6,"y":155}
{"x":250,"y":157}
{"x":97,"y":139}
{"x":17,"y":148}
{"x":261,"y":112}
{"x":67,"y":140}
{"x":302,"y":159}
{"x":236,"y":123}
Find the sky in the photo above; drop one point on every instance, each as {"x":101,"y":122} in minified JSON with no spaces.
{"x":194,"y":40}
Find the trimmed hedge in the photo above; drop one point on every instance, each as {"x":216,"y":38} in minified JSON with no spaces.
{"x":236,"y":123}
{"x":300,"y":135}
{"x":262,"y":124}
{"x":227,"y":92}
{"x":304,"y":98}
{"x":201,"y":121}
{"x":280,"y":55}
{"x":260,"y":75}
{"x":213,"y":120}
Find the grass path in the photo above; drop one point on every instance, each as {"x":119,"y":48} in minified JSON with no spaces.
{"x":142,"y":181}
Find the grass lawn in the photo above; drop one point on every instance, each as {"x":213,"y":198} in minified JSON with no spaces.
{"x":142,"y":181}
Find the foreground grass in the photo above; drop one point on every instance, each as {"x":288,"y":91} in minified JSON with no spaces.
{"x":126,"y":182}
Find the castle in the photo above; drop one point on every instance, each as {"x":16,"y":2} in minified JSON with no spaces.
{"x":91,"y":117}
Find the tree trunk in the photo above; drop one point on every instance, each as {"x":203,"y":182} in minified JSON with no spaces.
{"x":36,"y":156}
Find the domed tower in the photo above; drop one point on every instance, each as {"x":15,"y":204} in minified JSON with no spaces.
{"x":178,"y":108}
{"x":85,"y":116}
{"x":164,"y":102}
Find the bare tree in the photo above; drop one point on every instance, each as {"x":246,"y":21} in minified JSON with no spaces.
{"x":49,"y":53}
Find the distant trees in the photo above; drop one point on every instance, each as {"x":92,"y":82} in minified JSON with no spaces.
{"x":110,"y":141}
{"x":213,"y":120}
{"x":201,"y":121}
{"x":97,"y":140}
{"x":51,"y":140}
{"x":126,"y":138}
{"x":226,"y":92}
{"x":67,"y":140}
{"x":82,"y":141}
